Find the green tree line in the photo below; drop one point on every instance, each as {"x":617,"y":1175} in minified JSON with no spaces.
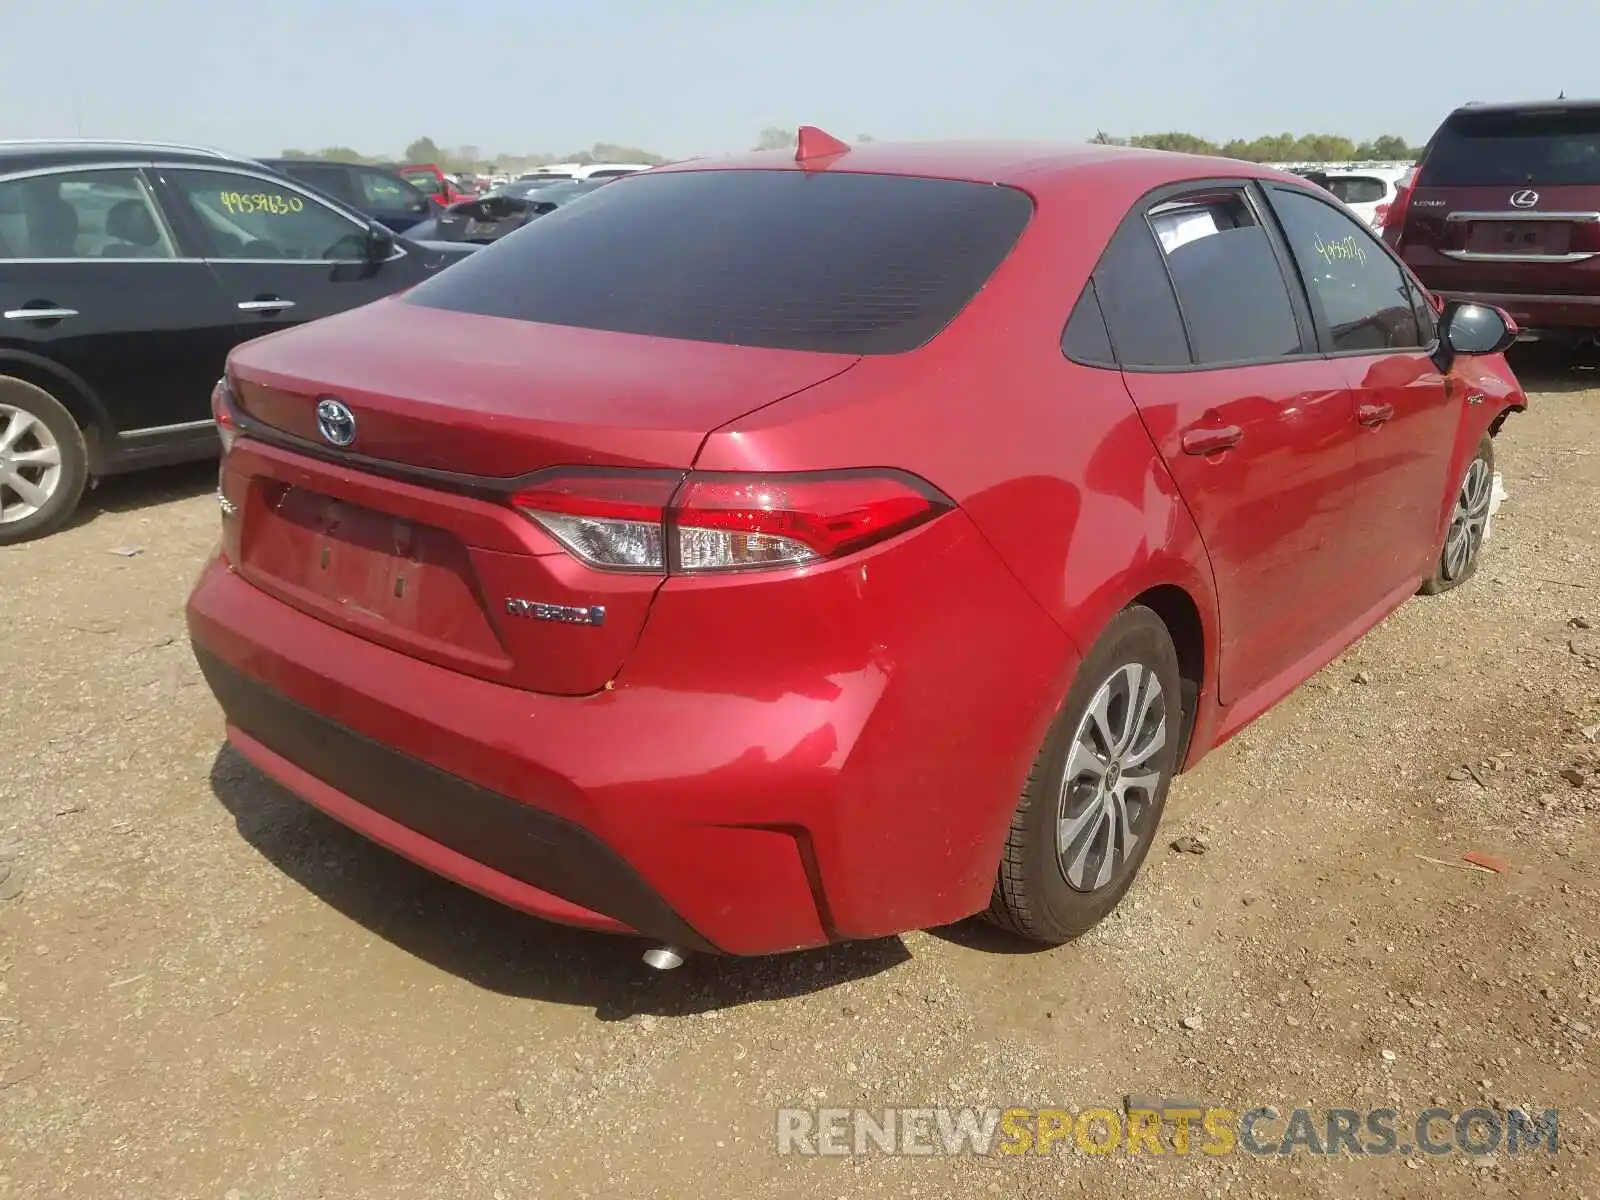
{"x":472,"y":158}
{"x":1275,"y":147}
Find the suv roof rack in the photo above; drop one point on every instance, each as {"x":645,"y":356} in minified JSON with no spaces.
{"x":114,"y":143}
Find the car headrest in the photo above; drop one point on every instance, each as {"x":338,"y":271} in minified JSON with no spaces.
{"x":130,"y":221}
{"x":53,"y":226}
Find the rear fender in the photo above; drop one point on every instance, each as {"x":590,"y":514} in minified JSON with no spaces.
{"x":76,"y":396}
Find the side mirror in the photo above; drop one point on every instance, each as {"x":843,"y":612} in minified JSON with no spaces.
{"x":380,"y":244}
{"x":1469,"y":328}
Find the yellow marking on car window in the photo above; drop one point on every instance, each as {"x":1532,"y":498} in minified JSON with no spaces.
{"x":271,"y":203}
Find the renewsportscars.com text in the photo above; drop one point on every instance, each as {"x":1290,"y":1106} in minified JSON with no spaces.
{"x":1161,"y":1131}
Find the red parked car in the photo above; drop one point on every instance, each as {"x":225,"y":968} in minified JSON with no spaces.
{"x":1504,"y":208}
{"x":771,"y":552}
{"x":434,"y":183}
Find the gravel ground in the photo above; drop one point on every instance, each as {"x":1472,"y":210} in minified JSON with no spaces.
{"x":209,"y":990}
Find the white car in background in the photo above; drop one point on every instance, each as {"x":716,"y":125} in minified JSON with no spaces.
{"x":582,"y":171}
{"x":1367,"y":191}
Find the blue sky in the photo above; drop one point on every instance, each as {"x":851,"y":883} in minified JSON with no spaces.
{"x":704,"y":76}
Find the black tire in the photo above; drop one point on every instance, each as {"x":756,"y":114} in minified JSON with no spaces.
{"x":1463,"y":539}
{"x":66,"y":486}
{"x":1033,"y":895}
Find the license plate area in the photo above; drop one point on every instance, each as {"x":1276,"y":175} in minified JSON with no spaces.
{"x":411,"y":583}
{"x":1520,"y":237}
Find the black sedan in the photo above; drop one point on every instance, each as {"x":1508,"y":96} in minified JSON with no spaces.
{"x":127,"y":273}
{"x":504,"y":210}
{"x":380,"y":193}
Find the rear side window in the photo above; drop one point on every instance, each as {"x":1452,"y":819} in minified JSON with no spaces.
{"x":1230,"y":288}
{"x":87,"y":214}
{"x":1515,"y":149}
{"x":332,"y":180}
{"x":1136,"y":297}
{"x":1085,"y":339}
{"x":826,"y":261}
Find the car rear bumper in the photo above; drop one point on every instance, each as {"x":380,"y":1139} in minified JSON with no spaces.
{"x":475,"y":836}
{"x":767,"y":798}
{"x":1536,"y":314}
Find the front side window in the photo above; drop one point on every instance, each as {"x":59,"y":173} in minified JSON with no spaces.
{"x":1361,"y":293}
{"x":1427,"y":315}
{"x":1231,"y":291}
{"x":248,"y":217}
{"x":83,"y":214}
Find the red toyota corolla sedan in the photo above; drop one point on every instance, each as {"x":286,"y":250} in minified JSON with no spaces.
{"x":783,"y":550}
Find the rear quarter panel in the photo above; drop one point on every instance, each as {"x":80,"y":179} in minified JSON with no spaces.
{"x":1049,"y":458}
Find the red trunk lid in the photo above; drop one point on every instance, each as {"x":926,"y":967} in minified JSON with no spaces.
{"x":428,"y":566}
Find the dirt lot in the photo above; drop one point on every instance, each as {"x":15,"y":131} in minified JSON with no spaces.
{"x":209,"y":990}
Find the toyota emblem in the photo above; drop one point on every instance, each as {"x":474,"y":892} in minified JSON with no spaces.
{"x":1526,"y":198}
{"x":335,"y":422}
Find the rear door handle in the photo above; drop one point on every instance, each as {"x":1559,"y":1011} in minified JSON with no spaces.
{"x":265,"y":304}
{"x":40,"y":314}
{"x":1374,"y":414}
{"x":1211,"y":439}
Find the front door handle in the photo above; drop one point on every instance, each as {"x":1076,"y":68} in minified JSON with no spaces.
{"x":40,"y":314}
{"x":1211,"y":439}
{"x":265,"y":304}
{"x":1373,"y":415}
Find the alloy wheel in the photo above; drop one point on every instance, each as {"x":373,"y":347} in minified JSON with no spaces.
{"x":30,"y":464}
{"x":1110,"y":784}
{"x":1468,"y":519}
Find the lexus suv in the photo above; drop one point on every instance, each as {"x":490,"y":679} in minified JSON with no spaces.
{"x":1504,"y":209}
{"x":773,"y":551}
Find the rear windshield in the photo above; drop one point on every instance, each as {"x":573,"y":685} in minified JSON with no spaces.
{"x":1515,"y":150}
{"x":1357,"y":189}
{"x":793,"y":260}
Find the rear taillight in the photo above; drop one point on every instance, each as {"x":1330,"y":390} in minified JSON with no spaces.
{"x":610,"y":519}
{"x":1392,"y":218}
{"x":1379,"y":216}
{"x":696,"y":523}
{"x":223,"y":413}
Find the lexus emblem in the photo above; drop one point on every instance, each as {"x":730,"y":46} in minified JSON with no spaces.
{"x":1526,"y":198}
{"x":335,"y":422}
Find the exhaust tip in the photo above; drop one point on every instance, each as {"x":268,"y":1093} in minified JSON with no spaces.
{"x":663,"y":958}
